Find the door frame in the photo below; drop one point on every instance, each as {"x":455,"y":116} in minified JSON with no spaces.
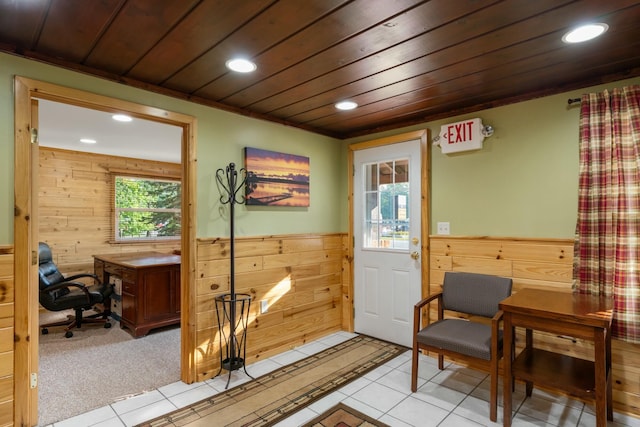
{"x":26,"y":329}
{"x":423,"y":136}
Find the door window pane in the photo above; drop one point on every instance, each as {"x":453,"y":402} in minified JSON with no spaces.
{"x":386,"y":219}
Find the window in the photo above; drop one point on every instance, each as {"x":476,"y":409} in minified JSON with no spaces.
{"x":386,"y":198}
{"x":147,"y":208}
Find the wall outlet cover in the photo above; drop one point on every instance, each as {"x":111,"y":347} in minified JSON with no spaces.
{"x":443,"y":228}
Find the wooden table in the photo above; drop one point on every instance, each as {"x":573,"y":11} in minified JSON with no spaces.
{"x":150,"y":288}
{"x":566,"y":314}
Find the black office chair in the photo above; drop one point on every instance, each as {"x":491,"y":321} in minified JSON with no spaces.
{"x":58,"y":293}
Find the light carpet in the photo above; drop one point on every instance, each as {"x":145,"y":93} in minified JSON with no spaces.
{"x":280,"y":393}
{"x":99,"y":366}
{"x":342,"y":415}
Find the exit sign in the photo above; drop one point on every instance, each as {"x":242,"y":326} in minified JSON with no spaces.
{"x":461,"y":136}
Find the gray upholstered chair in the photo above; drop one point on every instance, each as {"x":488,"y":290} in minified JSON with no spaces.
{"x":470,"y":294}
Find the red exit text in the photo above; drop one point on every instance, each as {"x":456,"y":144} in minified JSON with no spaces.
{"x":459,"y":132}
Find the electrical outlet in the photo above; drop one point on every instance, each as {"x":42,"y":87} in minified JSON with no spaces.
{"x":264,"y":306}
{"x":443,"y":228}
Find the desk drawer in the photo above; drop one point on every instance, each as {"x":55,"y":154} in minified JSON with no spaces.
{"x":129,"y":287}
{"x":128,"y":275}
{"x":114,"y":269}
{"x":125,"y":274}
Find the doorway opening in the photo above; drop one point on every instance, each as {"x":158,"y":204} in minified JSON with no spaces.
{"x":84,"y":157}
{"x":26,"y":226}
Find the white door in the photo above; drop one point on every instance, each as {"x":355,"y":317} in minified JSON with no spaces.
{"x":386,"y":229}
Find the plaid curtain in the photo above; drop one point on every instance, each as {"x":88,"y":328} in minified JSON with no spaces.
{"x":607,"y":251}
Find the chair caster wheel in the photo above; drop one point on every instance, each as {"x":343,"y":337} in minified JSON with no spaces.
{"x":107,"y":325}
{"x":68,"y":334}
{"x":45,"y":331}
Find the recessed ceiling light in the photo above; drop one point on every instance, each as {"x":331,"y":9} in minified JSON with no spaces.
{"x":346,"y":105}
{"x":241,"y":65}
{"x":121,"y":118}
{"x":584,"y":33}
{"x":88,"y":141}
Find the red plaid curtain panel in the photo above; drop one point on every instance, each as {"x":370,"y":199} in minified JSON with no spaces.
{"x":607,"y":244}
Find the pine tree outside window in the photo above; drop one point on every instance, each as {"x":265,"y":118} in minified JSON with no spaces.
{"x":147,"y":208}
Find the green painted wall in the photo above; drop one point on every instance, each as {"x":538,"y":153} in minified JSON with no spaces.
{"x":523,"y":183}
{"x":221,"y":138}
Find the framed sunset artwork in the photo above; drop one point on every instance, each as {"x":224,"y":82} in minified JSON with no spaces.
{"x":276,"y":179}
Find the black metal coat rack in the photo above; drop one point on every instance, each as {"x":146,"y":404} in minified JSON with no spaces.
{"x":232,"y":309}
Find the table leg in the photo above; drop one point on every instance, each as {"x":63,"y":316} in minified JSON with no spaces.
{"x":529,"y":345}
{"x":600,"y":359}
{"x":507,"y":381}
{"x":609,"y":378}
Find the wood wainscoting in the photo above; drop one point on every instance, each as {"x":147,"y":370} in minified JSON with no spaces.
{"x":6,"y":336}
{"x":299,"y":276}
{"x":536,"y":263}
{"x":304,"y":280}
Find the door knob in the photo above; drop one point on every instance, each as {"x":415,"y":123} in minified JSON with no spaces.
{"x":415,"y":255}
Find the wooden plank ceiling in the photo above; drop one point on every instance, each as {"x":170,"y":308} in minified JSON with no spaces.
{"x":403,"y":61}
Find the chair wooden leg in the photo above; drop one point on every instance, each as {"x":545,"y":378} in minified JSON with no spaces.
{"x":441,"y":362}
{"x":493,"y":398}
{"x":513,"y":357}
{"x":414,"y":369}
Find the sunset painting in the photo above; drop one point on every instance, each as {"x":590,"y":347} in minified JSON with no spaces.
{"x":276,"y":179}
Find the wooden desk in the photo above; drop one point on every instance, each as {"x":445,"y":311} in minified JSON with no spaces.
{"x":150,"y":288}
{"x":561,"y":313}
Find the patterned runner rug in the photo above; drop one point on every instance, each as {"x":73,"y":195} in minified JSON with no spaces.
{"x":342,"y":415}
{"x":280,"y":393}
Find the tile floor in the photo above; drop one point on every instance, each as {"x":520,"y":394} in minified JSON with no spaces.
{"x":454,"y":397}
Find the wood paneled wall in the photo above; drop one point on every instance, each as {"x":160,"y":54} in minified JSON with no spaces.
{"x":6,"y":336}
{"x":75,"y":209}
{"x":539,"y":263}
{"x":299,"y":276}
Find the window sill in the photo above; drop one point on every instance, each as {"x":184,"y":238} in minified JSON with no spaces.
{"x":144,"y":241}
